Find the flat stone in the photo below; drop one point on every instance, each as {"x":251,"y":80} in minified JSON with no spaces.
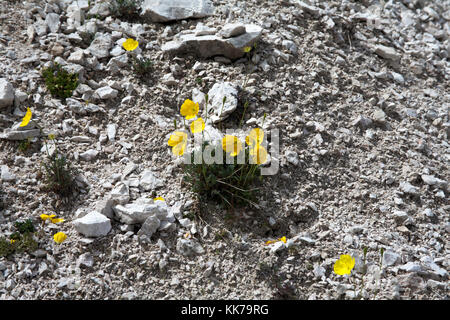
{"x":206,"y":46}
{"x":387,"y":53}
{"x":411,"y":267}
{"x":6,"y":175}
{"x":408,"y":188}
{"x":170,"y":10}
{"x":139,"y":211}
{"x":89,"y":155}
{"x":93,"y":225}
{"x":189,"y":247}
{"x":232,"y":30}
{"x":53,"y":23}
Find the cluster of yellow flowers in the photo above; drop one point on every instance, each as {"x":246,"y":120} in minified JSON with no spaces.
{"x":230,"y":143}
{"x":60,"y":236}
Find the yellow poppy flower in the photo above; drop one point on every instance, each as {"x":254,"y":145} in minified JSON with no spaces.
{"x":159,"y":198}
{"x":189,"y":109}
{"x":45,"y":216}
{"x":256,"y":136}
{"x":178,"y":141}
{"x":26,"y":119}
{"x":344,"y":265}
{"x":130,"y":44}
{"x":198,"y":125}
{"x":231,"y":145}
{"x":258,"y":154}
{"x":247,"y":49}
{"x":60,"y":237}
{"x":12,"y":241}
{"x":57,"y":220}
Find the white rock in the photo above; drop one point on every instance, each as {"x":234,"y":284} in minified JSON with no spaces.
{"x":6,"y":93}
{"x":93,"y":225}
{"x":120,"y":194}
{"x":138,"y":212}
{"x":89,"y":155}
{"x":189,"y":247}
{"x":217,"y":110}
{"x":100,"y":47}
{"x":6,"y":175}
{"x":411,"y":267}
{"x":390,"y":258}
{"x":232,"y":30}
{"x":387,"y":53}
{"x":150,"y":226}
{"x":292,"y":157}
{"x":106,"y":93}
{"x":53,"y":23}
{"x":148,"y":181}
{"x":111,"y":131}
{"x":169,"y":10}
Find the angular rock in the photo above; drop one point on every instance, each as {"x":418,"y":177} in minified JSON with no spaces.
{"x":139,"y":211}
{"x":6,"y":175}
{"x":149,"y":181}
{"x":213,"y":45}
{"x":390,"y":258}
{"x":86,"y":260}
{"x":100,"y":47}
{"x":169,"y":10}
{"x":387,"y":53}
{"x":53,"y":23}
{"x":408,"y":188}
{"x":89,"y":155}
{"x":120,"y":194}
{"x":106,"y":93}
{"x":217,"y":110}
{"x":150,"y":226}
{"x":6,"y":93}
{"x":93,"y":225}
{"x":232,"y":30}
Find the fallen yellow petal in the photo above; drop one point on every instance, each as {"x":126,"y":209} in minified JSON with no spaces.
{"x":26,"y":119}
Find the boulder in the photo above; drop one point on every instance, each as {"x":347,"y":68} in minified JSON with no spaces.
{"x":170,"y":10}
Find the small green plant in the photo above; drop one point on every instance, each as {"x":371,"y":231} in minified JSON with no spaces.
{"x":127,"y":9}
{"x":59,"y":82}
{"x":24,"y":145}
{"x":19,"y":241}
{"x":24,"y":226}
{"x":59,"y":174}
{"x":141,"y":66}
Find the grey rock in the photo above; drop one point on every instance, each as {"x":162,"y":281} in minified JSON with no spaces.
{"x":232,"y":30}
{"x":213,"y":45}
{"x":432,"y":180}
{"x":292,"y":157}
{"x":20,"y":135}
{"x":106,"y":93}
{"x":400,"y":217}
{"x":139,"y":211}
{"x":101,"y":9}
{"x":390,"y":258}
{"x":387,"y":53}
{"x":104,"y":207}
{"x":169,"y":10}
{"x":6,"y":175}
{"x":411,"y":267}
{"x":100,"y":47}
{"x":86,"y":260}
{"x":217,"y":110}
{"x":362,"y":122}
{"x":53,"y":23}
{"x":111,"y":131}
{"x":406,"y":187}
{"x":120,"y":194}
{"x":148,"y":181}
{"x":150,"y":226}
{"x":89,"y":155}
{"x":6,"y":93}
{"x":189,"y":247}
{"x":93,"y":225}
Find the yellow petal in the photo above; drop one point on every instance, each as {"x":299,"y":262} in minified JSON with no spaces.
{"x":44,"y":217}
{"x":130,"y":44}
{"x":231,"y":145}
{"x":178,"y":150}
{"x":60,"y":237}
{"x":189,"y":109}
{"x":57,"y":220}
{"x":197,"y":125}
{"x":256,"y":136}
{"x":176,"y":138}
{"x":159,"y":198}
{"x":259,"y":154}
{"x":247,"y":49}
{"x":26,"y":119}
{"x":282,"y":239}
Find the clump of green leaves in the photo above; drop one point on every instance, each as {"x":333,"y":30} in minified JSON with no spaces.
{"x":59,"y":174}
{"x":126,"y":9}
{"x":231,"y":184}
{"x":24,"y":145}
{"x":60,"y":82}
{"x":141,"y":66}
{"x":19,"y":241}
{"x":24,"y":226}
